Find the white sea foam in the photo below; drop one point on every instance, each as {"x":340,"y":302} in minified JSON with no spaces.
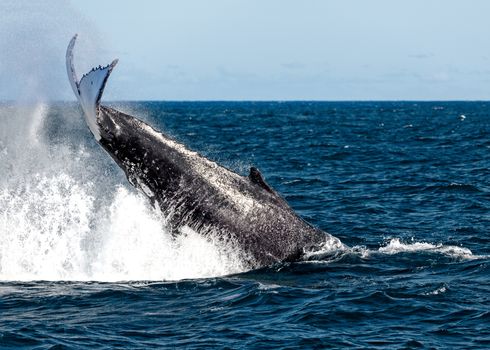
{"x":334,"y":249}
{"x":440,"y":290}
{"x":330,"y":250}
{"x":395,"y":246}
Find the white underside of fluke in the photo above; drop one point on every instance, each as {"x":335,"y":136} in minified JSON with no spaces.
{"x":89,"y":89}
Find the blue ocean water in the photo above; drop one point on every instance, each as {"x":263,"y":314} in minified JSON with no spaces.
{"x":405,"y":185}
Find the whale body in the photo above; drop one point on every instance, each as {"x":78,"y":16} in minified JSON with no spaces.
{"x":191,"y":190}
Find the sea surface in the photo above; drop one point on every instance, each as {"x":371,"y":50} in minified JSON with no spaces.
{"x":85,"y":262}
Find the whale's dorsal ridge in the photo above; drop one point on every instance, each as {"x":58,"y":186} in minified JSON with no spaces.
{"x":256,"y":177}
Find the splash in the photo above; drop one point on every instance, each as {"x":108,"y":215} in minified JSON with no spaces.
{"x":51,"y":231}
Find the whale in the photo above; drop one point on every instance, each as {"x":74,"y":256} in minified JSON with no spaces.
{"x":194,"y":192}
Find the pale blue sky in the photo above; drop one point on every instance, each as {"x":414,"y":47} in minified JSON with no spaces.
{"x":280,"y":49}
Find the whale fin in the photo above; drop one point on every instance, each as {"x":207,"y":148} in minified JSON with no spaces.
{"x":89,"y":89}
{"x":256,"y":177}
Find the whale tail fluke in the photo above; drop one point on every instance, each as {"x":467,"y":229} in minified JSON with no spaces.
{"x":89,"y":89}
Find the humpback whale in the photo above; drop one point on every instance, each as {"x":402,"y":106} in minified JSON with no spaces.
{"x":191,"y":190}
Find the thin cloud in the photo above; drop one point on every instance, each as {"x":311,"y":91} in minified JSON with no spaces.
{"x":293,"y":65}
{"x":421,"y":56}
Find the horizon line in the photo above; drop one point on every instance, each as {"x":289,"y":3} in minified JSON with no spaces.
{"x":249,"y":100}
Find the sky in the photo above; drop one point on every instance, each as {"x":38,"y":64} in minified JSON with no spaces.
{"x":251,"y":49}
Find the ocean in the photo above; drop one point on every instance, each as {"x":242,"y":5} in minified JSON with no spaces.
{"x":86,"y":262}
